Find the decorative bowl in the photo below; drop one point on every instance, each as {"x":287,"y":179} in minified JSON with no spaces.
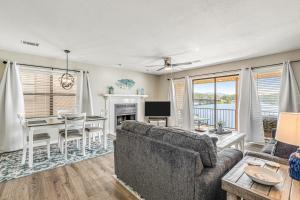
{"x":262,"y":175}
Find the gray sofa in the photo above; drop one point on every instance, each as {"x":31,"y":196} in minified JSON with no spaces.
{"x":171,"y":164}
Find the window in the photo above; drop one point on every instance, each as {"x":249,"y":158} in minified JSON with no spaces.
{"x":43,"y":95}
{"x":268,"y":91}
{"x":215,"y":100}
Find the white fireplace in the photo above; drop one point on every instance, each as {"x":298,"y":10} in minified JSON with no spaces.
{"x":121,"y":107}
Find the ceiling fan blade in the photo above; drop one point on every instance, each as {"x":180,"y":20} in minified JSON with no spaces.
{"x":154,"y":65}
{"x":185,"y":63}
{"x":160,"y":69}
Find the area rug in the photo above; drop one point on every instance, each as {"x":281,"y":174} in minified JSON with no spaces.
{"x":11,"y":168}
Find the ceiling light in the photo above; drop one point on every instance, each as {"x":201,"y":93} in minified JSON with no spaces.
{"x":67,"y":80}
{"x":197,"y":49}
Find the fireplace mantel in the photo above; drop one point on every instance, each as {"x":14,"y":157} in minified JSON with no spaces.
{"x":112,"y":99}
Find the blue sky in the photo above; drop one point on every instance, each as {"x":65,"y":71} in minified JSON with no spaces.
{"x":222,"y":87}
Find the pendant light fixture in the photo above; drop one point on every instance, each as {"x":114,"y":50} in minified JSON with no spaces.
{"x":67,"y":80}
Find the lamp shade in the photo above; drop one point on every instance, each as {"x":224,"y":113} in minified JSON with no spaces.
{"x":288,"y":128}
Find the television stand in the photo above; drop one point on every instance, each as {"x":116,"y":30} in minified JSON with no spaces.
{"x":158,"y":121}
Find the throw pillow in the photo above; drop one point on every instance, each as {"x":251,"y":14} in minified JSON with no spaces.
{"x":283,"y":150}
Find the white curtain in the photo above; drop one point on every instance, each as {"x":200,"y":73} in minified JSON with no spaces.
{"x":172,"y":98}
{"x":188,"y":110}
{"x":85,"y":99}
{"x":249,"y":116}
{"x":289,"y":100}
{"x":11,"y":104}
{"x":79,"y":91}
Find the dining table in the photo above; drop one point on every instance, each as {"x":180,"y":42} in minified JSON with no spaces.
{"x":51,"y":122}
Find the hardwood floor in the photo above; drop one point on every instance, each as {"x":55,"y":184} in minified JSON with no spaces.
{"x":90,"y":179}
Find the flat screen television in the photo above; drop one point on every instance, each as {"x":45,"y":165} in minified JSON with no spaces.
{"x":157,"y":108}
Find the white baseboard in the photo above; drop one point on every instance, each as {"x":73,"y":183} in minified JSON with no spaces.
{"x":127,"y":187}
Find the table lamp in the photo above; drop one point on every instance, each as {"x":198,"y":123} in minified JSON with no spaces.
{"x":288,"y":131}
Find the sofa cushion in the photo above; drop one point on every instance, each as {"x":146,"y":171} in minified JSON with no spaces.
{"x":283,"y":150}
{"x":194,"y":141}
{"x":136,"y":127}
{"x":158,"y":132}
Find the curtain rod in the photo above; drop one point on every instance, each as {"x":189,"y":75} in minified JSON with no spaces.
{"x":46,"y":67}
{"x":235,"y":70}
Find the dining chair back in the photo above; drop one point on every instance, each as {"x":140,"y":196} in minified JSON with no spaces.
{"x":61,"y":113}
{"x":39,"y":137}
{"x":74,"y":130}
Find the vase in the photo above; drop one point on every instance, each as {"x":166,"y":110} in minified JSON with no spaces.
{"x":220,"y":129}
{"x":142,"y":91}
{"x":110,"y":90}
{"x":294,"y":162}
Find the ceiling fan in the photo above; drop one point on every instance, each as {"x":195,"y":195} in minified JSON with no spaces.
{"x":168,"y":65}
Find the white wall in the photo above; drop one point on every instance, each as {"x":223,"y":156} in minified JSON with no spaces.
{"x":101,"y":77}
{"x":155,"y":86}
{"x":259,"y":61}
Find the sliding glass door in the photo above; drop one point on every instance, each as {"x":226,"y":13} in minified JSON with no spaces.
{"x":226,"y":102}
{"x":204,"y":102}
{"x":215,"y":100}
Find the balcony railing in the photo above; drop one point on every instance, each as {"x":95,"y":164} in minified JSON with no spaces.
{"x":206,"y":115}
{"x":228,"y":116}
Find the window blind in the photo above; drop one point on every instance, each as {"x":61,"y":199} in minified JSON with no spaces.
{"x":179,"y":92}
{"x":43,"y":95}
{"x":268,"y":89}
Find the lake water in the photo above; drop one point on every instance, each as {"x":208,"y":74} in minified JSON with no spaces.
{"x":225,"y":113}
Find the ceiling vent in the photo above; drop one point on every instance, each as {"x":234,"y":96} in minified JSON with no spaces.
{"x":30,"y":43}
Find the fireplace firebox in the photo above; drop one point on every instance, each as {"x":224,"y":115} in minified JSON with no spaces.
{"x":125,"y":111}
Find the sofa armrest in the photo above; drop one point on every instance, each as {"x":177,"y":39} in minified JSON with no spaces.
{"x":154,"y":169}
{"x":267,"y":157}
{"x":209,"y":183}
{"x":269,"y":147}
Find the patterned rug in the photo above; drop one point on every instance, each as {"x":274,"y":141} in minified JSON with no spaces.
{"x":11,"y":168}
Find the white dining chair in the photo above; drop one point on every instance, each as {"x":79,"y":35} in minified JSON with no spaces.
{"x":74,"y":130}
{"x":61,"y":114}
{"x":92,"y":130}
{"x":37,"y":137}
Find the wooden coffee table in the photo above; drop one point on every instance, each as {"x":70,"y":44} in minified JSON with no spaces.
{"x":238,"y":185}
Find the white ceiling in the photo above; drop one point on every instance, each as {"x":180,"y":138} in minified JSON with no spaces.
{"x":136,"y":33}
